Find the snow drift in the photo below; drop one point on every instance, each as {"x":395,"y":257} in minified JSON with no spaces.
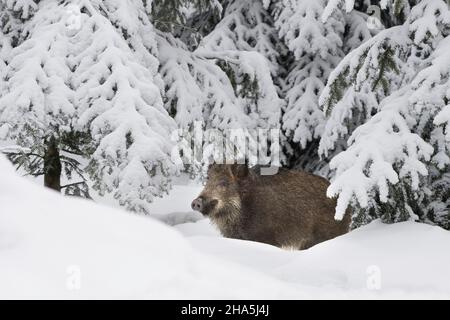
{"x":68,"y":248}
{"x":47,"y":240}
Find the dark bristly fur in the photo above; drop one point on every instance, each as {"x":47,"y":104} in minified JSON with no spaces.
{"x":289,"y":209}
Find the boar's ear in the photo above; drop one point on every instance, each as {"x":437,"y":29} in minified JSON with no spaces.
{"x":239,"y":171}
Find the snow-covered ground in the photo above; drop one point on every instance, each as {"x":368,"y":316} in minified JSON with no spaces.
{"x":56,"y":247}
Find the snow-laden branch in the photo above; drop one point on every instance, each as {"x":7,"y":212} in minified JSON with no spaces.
{"x":403,"y":141}
{"x":375,"y":147}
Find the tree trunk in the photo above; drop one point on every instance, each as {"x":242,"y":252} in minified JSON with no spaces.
{"x":52,"y":166}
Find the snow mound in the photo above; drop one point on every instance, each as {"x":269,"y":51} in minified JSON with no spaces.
{"x":56,"y":247}
{"x":402,"y":260}
{"x":175,"y":218}
{"x":68,"y":248}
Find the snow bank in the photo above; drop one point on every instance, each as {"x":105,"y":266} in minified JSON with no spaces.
{"x":403,"y":260}
{"x":56,"y":247}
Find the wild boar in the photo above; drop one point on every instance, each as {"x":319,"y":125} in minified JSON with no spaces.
{"x":289,"y":209}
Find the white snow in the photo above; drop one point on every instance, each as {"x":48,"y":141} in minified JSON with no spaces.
{"x":318,"y":47}
{"x":60,"y":247}
{"x":389,"y":144}
{"x":47,"y":241}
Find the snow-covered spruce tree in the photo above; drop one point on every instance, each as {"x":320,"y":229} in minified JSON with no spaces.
{"x":244,"y":44}
{"x":188,"y":20}
{"x":202,"y":18}
{"x":5,"y":45}
{"x":199,"y":96}
{"x":360,"y":102}
{"x":256,"y":97}
{"x":226,"y":82}
{"x":22,"y":9}
{"x":390,"y":12}
{"x":245,"y":26}
{"x":396,"y":166}
{"x":5,"y":40}
{"x":316,"y":47}
{"x":37,"y":100}
{"x":120,"y":103}
{"x":13,"y":15}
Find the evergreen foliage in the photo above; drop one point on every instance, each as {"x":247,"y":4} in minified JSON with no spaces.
{"x":93,"y":94}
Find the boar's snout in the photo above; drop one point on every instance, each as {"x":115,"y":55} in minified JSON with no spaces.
{"x":204,"y":205}
{"x":197,"y":204}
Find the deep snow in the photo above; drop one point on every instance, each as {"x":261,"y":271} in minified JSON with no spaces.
{"x":58,"y":247}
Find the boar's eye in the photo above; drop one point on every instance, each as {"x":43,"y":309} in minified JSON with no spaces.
{"x":222,"y":183}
